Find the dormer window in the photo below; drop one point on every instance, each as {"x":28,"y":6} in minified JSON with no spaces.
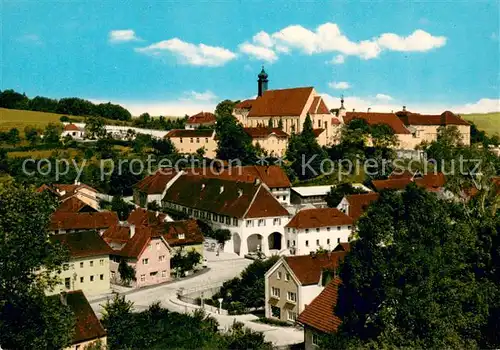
{"x":181,"y":236}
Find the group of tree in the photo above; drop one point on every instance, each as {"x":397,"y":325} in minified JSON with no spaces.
{"x":479,"y":136}
{"x":35,"y":136}
{"x":71,"y":106}
{"x":158,"y":328}
{"x":339,"y":191}
{"x":159,"y":123}
{"x":233,"y":143}
{"x":185,"y":261}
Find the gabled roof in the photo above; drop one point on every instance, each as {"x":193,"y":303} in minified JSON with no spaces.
{"x":308,"y":268}
{"x":71,"y":127}
{"x":69,"y":189}
{"x":245,"y":104}
{"x":318,"y":132}
{"x":319,"y":314}
{"x":343,"y":246}
{"x":87,"y":325}
{"x":285,"y":102}
{"x":190,"y":133}
{"x":82,"y":221}
{"x":358,"y":203}
{"x":133,"y":246}
{"x":445,"y":118}
{"x":319,"y":217}
{"x":318,"y":106}
{"x":272,"y":175}
{"x":82,"y":244}
{"x":189,"y":228}
{"x":202,"y":118}
{"x":431,"y":182}
{"x":156,"y":183}
{"x":222,"y":196}
{"x":390,"y":119}
{"x":141,"y":216}
{"x":74,"y":205}
{"x":262,"y":132}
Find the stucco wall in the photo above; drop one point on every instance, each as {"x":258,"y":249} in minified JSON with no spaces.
{"x":192,"y":144}
{"x":272,"y":145}
{"x":284,"y":287}
{"x":83,"y":345}
{"x":307,"y":242}
{"x":155,"y":271}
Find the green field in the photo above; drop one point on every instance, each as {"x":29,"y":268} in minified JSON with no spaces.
{"x":488,"y":122}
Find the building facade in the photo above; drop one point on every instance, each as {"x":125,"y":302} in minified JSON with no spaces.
{"x":190,"y":141}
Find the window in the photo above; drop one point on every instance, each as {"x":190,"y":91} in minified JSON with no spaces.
{"x":288,"y":243}
{"x":81,"y":279}
{"x":190,"y":211}
{"x":180,"y":140}
{"x":317,"y":242}
{"x":328,"y":241}
{"x":113,"y":274}
{"x":317,"y":229}
{"x":338,"y":240}
{"x":287,"y":277}
{"x":157,"y":246}
{"x":206,"y":139}
{"x":145,"y":261}
{"x":91,"y":263}
{"x":92,"y":278}
{"x":348,"y":227}
{"x":154,"y":273}
{"x":338,"y":228}
{"x":228,"y":220}
{"x":81,"y":265}
{"x":307,"y":230}
{"x":307,"y":243}
{"x":77,"y":347}
{"x":196,"y":213}
{"x":67,"y":283}
{"x":101,"y":277}
{"x":164,"y":273}
{"x":143,"y":278}
{"x":275,"y":312}
{"x":275,"y":292}
{"x":191,"y":140}
{"x":314,"y":339}
{"x":276,"y":221}
{"x":328,"y":229}
{"x":197,"y":140}
{"x":202,"y":214}
{"x":161,"y":258}
{"x":262,"y":222}
{"x":249,"y":223}
{"x":291,"y":296}
{"x":291,"y":316}
{"x":235,"y":222}
{"x":284,"y":198}
{"x":278,"y":275}
{"x":293,"y":243}
{"x":319,"y":123}
{"x":101,"y":262}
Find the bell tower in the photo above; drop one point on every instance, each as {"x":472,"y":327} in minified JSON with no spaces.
{"x":262,"y":82}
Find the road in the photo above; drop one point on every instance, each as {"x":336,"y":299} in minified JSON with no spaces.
{"x":221,"y":268}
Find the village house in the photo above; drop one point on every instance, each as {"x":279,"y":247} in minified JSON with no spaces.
{"x":273,"y":140}
{"x":190,"y":141}
{"x":248,"y":209}
{"x":355,"y":205}
{"x":88,"y":329}
{"x":314,"y":195}
{"x":433,"y":182}
{"x":202,"y":119}
{"x":288,"y":107}
{"x":66,"y":222}
{"x":74,"y":131}
{"x":63,"y":192}
{"x":294,"y":281}
{"x":153,"y":187}
{"x":318,"y":228}
{"x":183,"y":235}
{"x":141,"y":247}
{"x":88,"y":267}
{"x":319,"y":318}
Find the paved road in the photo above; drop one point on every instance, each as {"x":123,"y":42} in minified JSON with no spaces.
{"x":221,"y":268}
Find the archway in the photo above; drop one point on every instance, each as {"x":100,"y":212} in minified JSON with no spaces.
{"x":254,"y":242}
{"x":236,"y":243}
{"x":274,"y":241}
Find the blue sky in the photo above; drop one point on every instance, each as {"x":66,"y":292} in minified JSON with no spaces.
{"x":176,"y":57}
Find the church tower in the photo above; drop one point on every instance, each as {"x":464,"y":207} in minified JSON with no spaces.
{"x":262,"y":82}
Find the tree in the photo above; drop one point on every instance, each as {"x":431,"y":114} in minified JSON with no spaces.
{"x":32,"y":135}
{"x":233,"y":142}
{"x":52,"y":134}
{"x":64,"y":119}
{"x":407,"y":281}
{"x":118,"y":321}
{"x":43,"y":104}
{"x":336,"y":193}
{"x":13,"y":137}
{"x":112,"y":111}
{"x":75,"y":106}
{"x":13,"y":100}
{"x":127,"y":272}
{"x":200,"y":152}
{"x":142,"y":141}
{"x":280,"y":124}
{"x":225,"y":108}
{"x":121,"y":208}
{"x":183,"y":262}
{"x":222,"y":235}
{"x":94,"y":128}
{"x":239,"y":337}
{"x":29,"y":319}
{"x":383,"y":136}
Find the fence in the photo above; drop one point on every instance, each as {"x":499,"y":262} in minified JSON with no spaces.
{"x":195,"y":295}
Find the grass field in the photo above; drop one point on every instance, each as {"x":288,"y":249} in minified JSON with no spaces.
{"x":488,"y":122}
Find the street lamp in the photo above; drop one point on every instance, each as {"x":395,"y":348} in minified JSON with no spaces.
{"x":220,"y":305}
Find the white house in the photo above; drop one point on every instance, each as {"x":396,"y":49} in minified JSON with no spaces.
{"x":248,"y":209}
{"x":319,"y":228}
{"x":74,"y":131}
{"x":153,"y":187}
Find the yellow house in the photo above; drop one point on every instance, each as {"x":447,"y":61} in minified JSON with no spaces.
{"x":189,"y":141}
{"x":273,"y":140}
{"x":88,"y":267}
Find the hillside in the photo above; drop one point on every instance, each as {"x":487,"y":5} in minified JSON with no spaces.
{"x":14,"y":118}
{"x":488,"y":122}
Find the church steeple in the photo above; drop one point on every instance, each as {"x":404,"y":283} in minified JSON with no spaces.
{"x":262,"y":82}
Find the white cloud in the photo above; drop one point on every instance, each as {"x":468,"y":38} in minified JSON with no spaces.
{"x":339,"y":59}
{"x":258,"y":52}
{"x":199,"y":96}
{"x":419,"y":40}
{"x":383,"y":97}
{"x":187,"y":53}
{"x":120,"y":36}
{"x":341,"y":85}
{"x":328,"y":38}
{"x":33,"y":39}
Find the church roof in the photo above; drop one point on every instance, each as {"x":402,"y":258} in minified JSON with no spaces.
{"x":284,"y":102}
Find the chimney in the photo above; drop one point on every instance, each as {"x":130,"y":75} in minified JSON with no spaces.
{"x":404,"y":108}
{"x":63,"y":296}
{"x":369,"y":109}
{"x":132,"y":231}
{"x":354,"y":110}
{"x":221,"y":189}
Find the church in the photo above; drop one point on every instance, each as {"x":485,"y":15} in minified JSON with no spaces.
{"x":286,"y":110}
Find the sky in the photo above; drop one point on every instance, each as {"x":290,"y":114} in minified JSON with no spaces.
{"x":180,"y":57}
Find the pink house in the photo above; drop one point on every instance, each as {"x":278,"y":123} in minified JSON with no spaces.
{"x":141,"y":247}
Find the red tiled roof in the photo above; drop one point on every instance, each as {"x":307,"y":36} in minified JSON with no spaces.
{"x":74,"y":205}
{"x":141,"y":216}
{"x":285,"y":102}
{"x":335,"y":121}
{"x":70,"y":189}
{"x":189,"y":228}
{"x":82,"y":244}
{"x":260,"y":133}
{"x":445,"y":118}
{"x":404,"y":175}
{"x":71,"y":127}
{"x":190,"y":133}
{"x":431,"y":182}
{"x":222,"y":196}
{"x":318,"y":132}
{"x":134,"y":245}
{"x":319,"y":217}
{"x":392,"y":184}
{"x":245,"y":104}
{"x":343,"y":246}
{"x":156,"y":183}
{"x":272,"y":175}
{"x":319,"y":314}
{"x":390,"y":119}
{"x":318,"y":106}
{"x":82,"y":221}
{"x":87,"y":325}
{"x":314,"y":105}
{"x":308,"y":268}
{"x":359,"y":202}
{"x":202,"y":118}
